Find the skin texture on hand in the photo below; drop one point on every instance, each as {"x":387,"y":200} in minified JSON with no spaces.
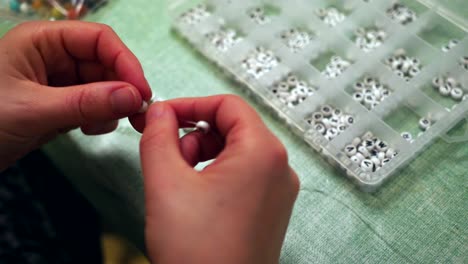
{"x":234,"y":211}
{"x":56,"y":76}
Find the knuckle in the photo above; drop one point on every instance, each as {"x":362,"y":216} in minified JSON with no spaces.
{"x":106,"y":29}
{"x":278,"y":154}
{"x":296,"y":184}
{"x":234,"y":99}
{"x":78,"y":103}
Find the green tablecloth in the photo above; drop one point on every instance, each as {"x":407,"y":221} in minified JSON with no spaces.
{"x":419,"y":216}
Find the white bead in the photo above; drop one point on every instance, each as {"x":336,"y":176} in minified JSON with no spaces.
{"x":456,"y":93}
{"x":356,"y":141}
{"x":444,"y":90}
{"x":283,"y":87}
{"x":292,"y":80}
{"x":436,"y":82}
{"x":317,"y":116}
{"x":349,"y":120}
{"x":342,"y":128}
{"x":332,"y":132}
{"x":369,"y":144}
{"x":203,"y":126}
{"x":350,"y":150}
{"x":381,"y":155}
{"x":382,"y":146}
{"x":367,"y":135}
{"x":363,"y":150}
{"x":367,"y":165}
{"x":144,"y":107}
{"x":389,"y":153}
{"x":358,"y":97}
{"x":424,"y":123}
{"x":355,"y":159}
{"x":376,"y":161}
{"x":451,"y":82}
{"x":326,"y":123}
{"x":334,"y":121}
{"x":326,"y":110}
{"x":360,"y":157}
{"x":369,"y":100}
{"x":337,"y":112}
{"x":358,"y":86}
{"x":320,"y":128}
{"x":407,"y":136}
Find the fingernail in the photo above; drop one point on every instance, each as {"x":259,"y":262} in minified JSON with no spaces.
{"x":122,"y":101}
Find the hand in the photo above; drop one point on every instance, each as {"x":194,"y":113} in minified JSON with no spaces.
{"x":55,"y":76}
{"x":234,"y":211}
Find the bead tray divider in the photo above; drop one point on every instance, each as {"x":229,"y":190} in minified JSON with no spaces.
{"x":337,"y":40}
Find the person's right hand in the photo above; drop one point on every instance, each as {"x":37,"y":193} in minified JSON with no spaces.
{"x":234,"y":211}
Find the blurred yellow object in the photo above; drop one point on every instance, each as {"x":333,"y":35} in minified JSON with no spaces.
{"x":56,"y":14}
{"x":116,"y":250}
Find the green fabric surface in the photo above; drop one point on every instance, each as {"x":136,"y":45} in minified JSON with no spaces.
{"x":419,"y":216}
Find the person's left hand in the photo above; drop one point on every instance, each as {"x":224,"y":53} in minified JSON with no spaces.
{"x":55,"y":76}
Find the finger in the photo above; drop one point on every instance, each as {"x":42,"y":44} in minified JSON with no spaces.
{"x":57,"y":42}
{"x":138,"y":121}
{"x":199,"y":147}
{"x":224,"y":112}
{"x":161,"y":156}
{"x":99,"y":128}
{"x":85,"y":104}
{"x":241,"y":127}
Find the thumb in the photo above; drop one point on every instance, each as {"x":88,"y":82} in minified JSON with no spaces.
{"x":89,"y":103}
{"x":161,"y":156}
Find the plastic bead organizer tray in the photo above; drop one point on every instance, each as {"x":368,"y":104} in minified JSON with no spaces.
{"x":368,"y":84}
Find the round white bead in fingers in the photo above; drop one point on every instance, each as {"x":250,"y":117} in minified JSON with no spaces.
{"x":144,"y":107}
{"x":203,"y":126}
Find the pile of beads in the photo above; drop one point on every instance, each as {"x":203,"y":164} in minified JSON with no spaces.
{"x":401,"y":13}
{"x":335,"y":67}
{"x":258,"y":16}
{"x":195,"y":15}
{"x":54,"y":10}
{"x":369,"y":39}
{"x":448,"y":86}
{"x":331,"y":16}
{"x":464,"y":62}
{"x":296,"y":39}
{"x":450,"y":45}
{"x":329,"y":121}
{"x":404,"y":66}
{"x":224,"y":39}
{"x":292,"y":91}
{"x":369,"y":152}
{"x":259,"y":62}
{"x":370,"y":92}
